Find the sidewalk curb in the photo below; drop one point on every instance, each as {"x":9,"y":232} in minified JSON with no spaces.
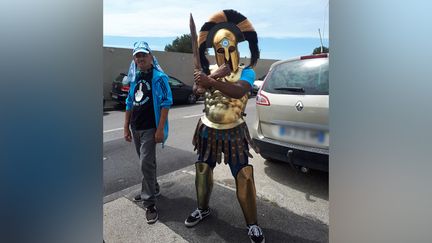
{"x":137,"y":187}
{"x":122,"y":193}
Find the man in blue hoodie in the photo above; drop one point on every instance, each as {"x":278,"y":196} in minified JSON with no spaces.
{"x":147,"y":106}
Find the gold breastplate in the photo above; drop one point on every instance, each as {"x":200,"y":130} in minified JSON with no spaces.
{"x":221,"y":111}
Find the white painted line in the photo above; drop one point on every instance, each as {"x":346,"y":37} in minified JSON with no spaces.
{"x":113,"y":130}
{"x":216,"y":182}
{"x":225,"y":186}
{"x":193,"y":115}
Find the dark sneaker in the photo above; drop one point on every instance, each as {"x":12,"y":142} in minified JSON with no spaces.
{"x":151,"y":214}
{"x":138,"y":198}
{"x":255,"y":234}
{"x":196,"y":216}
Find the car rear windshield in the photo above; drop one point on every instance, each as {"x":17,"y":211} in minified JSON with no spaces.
{"x":120,"y":77}
{"x":309,"y":76}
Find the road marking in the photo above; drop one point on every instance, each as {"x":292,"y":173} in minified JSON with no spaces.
{"x":193,"y":115}
{"x":216,"y":182}
{"x":113,"y":130}
{"x":225,"y":186}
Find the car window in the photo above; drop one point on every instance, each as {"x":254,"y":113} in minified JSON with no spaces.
{"x":310,"y":75}
{"x":120,"y":77}
{"x":174,"y":82}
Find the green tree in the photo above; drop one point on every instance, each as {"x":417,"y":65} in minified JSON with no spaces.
{"x":318,"y":50}
{"x":180,"y":44}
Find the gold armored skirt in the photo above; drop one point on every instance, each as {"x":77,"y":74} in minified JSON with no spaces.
{"x":233,"y":143}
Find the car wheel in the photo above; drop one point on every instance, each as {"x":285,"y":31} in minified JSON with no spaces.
{"x":191,"y":99}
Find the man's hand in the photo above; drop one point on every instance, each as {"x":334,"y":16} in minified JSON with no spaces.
{"x":202,"y":80}
{"x":222,"y":71}
{"x":197,"y":89}
{"x":127,"y":134}
{"x":159,"y":135}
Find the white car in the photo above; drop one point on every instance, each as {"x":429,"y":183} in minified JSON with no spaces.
{"x":257,"y":84}
{"x":292,"y":113}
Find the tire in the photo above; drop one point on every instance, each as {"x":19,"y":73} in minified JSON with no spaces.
{"x":191,"y":99}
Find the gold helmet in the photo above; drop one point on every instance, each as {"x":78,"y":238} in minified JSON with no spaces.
{"x":225,"y":48}
{"x":223,"y":32}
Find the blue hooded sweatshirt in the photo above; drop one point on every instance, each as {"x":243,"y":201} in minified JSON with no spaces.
{"x":161,"y":91}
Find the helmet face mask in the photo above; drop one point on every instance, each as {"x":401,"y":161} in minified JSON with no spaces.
{"x":225,"y":48}
{"x":224,"y":30}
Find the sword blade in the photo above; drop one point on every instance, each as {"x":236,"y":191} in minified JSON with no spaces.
{"x":194,"y":38}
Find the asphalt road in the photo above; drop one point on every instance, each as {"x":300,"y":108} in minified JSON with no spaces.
{"x":121,"y":164}
{"x":292,"y":206}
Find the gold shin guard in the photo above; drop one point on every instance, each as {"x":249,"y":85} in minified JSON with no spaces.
{"x":203,"y":184}
{"x":246,"y":194}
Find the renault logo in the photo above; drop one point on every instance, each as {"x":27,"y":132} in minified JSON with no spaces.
{"x":299,"y":105}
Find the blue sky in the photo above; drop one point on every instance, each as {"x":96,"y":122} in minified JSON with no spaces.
{"x":285,"y":28}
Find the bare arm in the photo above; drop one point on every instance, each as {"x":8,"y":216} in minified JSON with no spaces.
{"x":221,"y":72}
{"x":126,"y":130}
{"x":235,"y":90}
{"x":159,"y":136}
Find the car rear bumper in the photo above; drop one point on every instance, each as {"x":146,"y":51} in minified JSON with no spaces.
{"x":313,"y":158}
{"x":120,"y":97}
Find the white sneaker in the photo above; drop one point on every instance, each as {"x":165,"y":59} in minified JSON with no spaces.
{"x":196,"y":216}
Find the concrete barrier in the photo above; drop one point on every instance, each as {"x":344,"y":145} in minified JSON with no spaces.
{"x":179,"y":65}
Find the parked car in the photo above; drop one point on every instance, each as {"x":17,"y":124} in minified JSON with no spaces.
{"x":292,"y":113}
{"x":120,"y":88}
{"x":181,"y":92}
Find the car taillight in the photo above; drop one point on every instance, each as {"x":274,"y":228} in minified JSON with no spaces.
{"x":125,"y":88}
{"x":262,"y":99}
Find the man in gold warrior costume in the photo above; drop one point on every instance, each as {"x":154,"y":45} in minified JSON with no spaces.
{"x":222,"y":130}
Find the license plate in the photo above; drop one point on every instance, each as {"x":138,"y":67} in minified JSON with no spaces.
{"x":302,"y":135}
{"x":114,"y":96}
